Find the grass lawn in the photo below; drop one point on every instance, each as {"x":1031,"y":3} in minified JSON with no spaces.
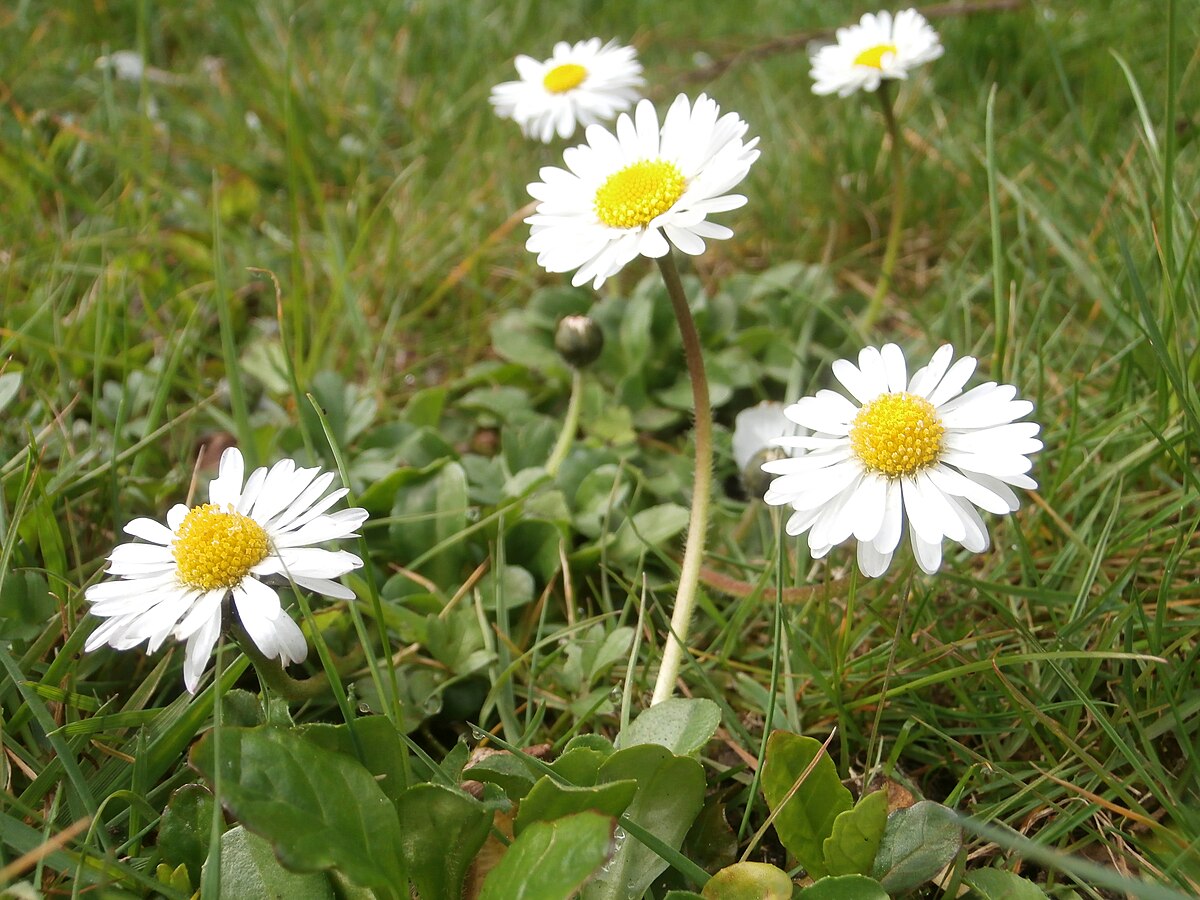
{"x":298,"y":230}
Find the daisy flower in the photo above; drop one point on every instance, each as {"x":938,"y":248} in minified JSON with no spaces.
{"x":625,"y":195}
{"x":175,"y":585}
{"x":878,"y":47}
{"x":916,"y":448}
{"x":582,"y":84}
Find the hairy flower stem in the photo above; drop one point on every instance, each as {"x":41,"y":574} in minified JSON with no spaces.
{"x":693,"y":552}
{"x":899,"y":197}
{"x":270,"y":671}
{"x":566,"y":437}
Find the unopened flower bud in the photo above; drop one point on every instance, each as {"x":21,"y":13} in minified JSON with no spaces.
{"x":579,"y":340}
{"x":754,"y":479}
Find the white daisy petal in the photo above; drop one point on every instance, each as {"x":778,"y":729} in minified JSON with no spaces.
{"x":289,"y":640}
{"x":918,"y":449}
{"x":926,"y":378}
{"x":976,"y":537}
{"x":199,"y":649}
{"x":888,"y":537}
{"x":827,"y":412}
{"x":149,"y":530}
{"x":953,"y":381}
{"x":227,"y":486}
{"x":928,"y":553}
{"x":334,"y":589}
{"x":871,"y":562}
{"x":250,"y":493}
{"x":893,"y":365}
{"x":852,"y":377}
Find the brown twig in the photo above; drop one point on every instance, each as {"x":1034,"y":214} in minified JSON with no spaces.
{"x":800,"y":39}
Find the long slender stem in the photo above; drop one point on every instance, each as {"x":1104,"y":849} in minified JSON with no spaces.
{"x":566,"y":437}
{"x":899,"y":197}
{"x":693,"y":551}
{"x":999,"y":297}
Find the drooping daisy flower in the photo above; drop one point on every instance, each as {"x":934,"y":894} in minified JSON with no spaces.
{"x":619,"y":195}
{"x":582,"y":84}
{"x":175,"y":585}
{"x":755,"y":430}
{"x":877,"y":48}
{"x":916,"y":449}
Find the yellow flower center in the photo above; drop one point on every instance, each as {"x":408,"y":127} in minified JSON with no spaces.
{"x":897,"y":434}
{"x":873,"y":56}
{"x":216,"y":548}
{"x":563,"y":78}
{"x":636,"y":195}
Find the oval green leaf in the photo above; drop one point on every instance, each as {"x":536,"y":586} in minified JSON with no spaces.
{"x":441,"y":831}
{"x":670,"y":796}
{"x":997,"y":884}
{"x":845,"y":887}
{"x":319,"y":809}
{"x":806,"y":820}
{"x":551,"y":860}
{"x":919,"y":842}
{"x":682,"y":726}
{"x":749,"y":881}
{"x":249,"y":869}
{"x":851,"y":847}
{"x":550,"y":800}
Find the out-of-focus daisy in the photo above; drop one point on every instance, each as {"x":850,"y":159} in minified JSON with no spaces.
{"x":755,"y":431}
{"x":625,"y":195}
{"x":175,"y":585}
{"x":582,"y":84}
{"x":879,"y":47}
{"x":914,"y":448}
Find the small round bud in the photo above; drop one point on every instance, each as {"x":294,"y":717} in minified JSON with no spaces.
{"x":754,"y":479}
{"x":578,"y":340}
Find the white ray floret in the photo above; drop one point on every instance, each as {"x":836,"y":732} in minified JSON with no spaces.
{"x":174,"y":584}
{"x":904,"y":449}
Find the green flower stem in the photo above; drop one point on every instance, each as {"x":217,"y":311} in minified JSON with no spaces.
{"x":270,"y":671}
{"x":899,"y":197}
{"x":693,"y":552}
{"x":566,"y":437}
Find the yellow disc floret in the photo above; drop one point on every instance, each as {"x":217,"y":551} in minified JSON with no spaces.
{"x":564,"y":78}
{"x":873,"y":56}
{"x":897,"y":434}
{"x":216,"y":548}
{"x":636,"y":195}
